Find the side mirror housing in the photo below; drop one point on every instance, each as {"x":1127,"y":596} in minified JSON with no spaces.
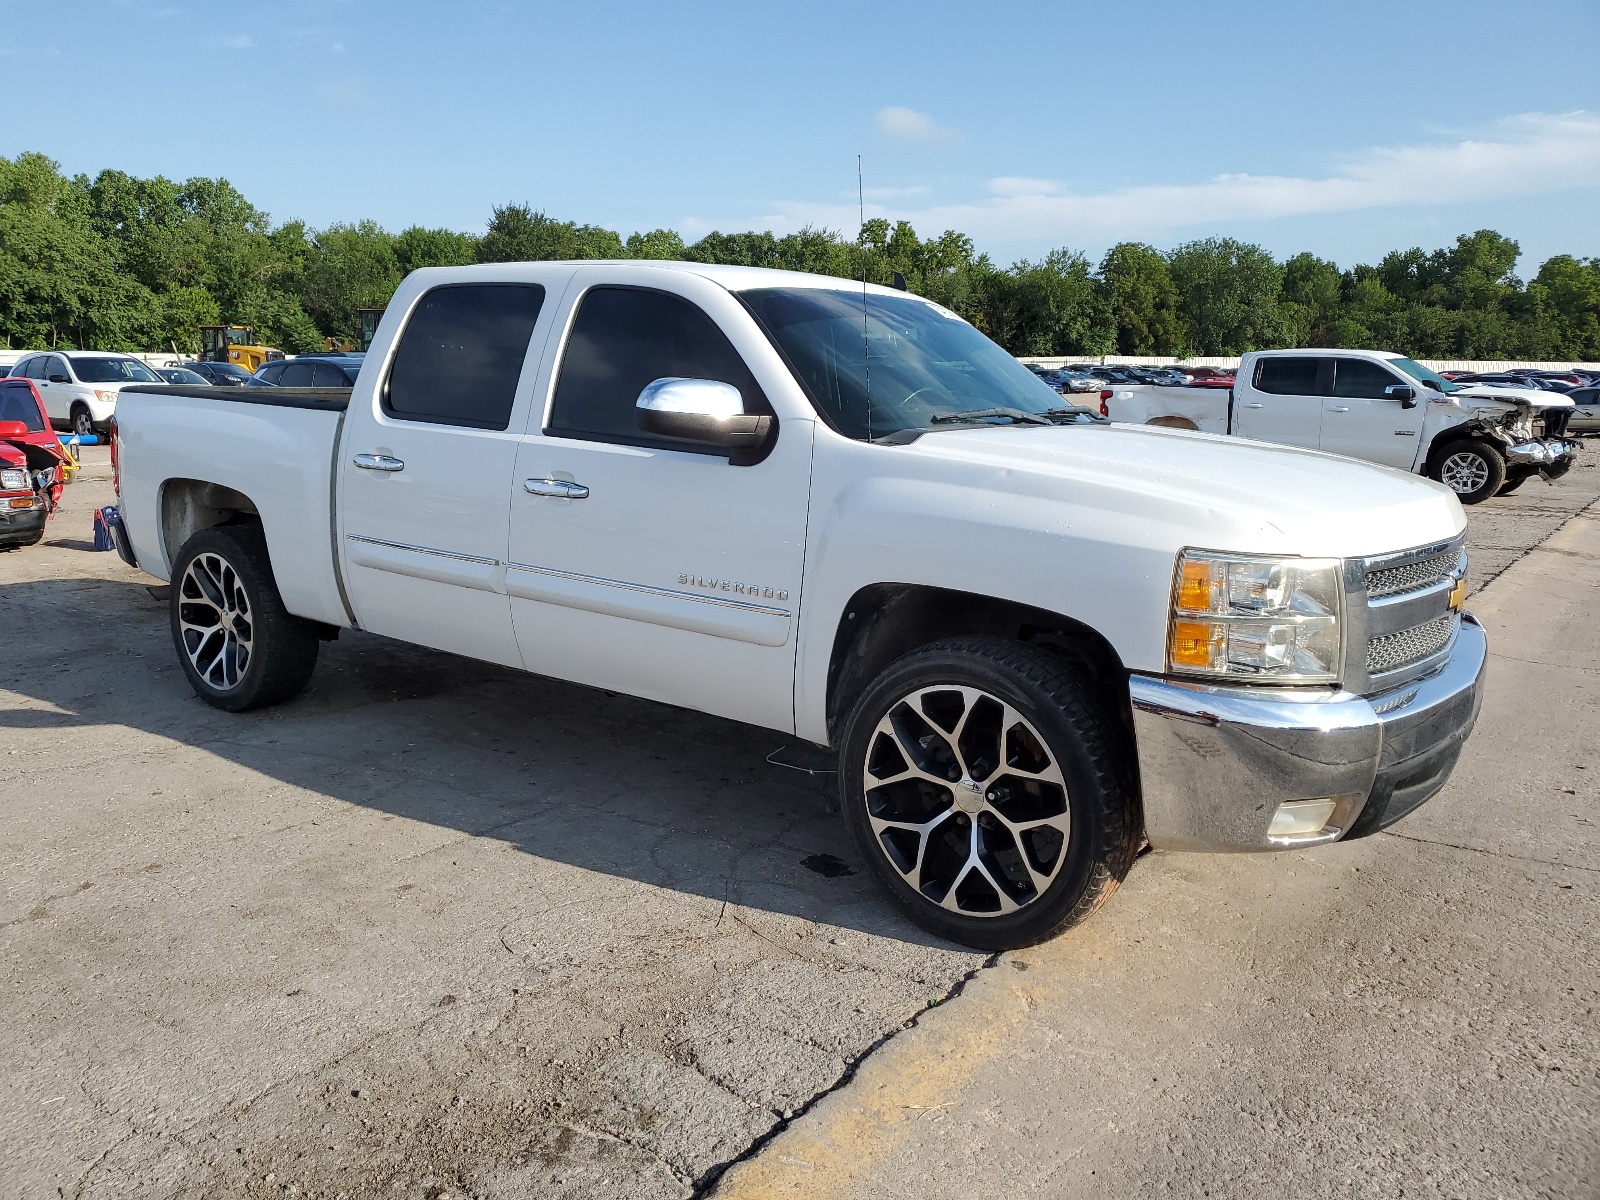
{"x":1399,"y":391}
{"x":13,"y":429}
{"x":701,"y":410}
{"x":58,"y":379}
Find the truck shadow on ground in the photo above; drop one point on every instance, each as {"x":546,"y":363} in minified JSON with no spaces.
{"x":661,"y":795}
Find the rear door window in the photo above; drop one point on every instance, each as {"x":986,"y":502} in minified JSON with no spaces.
{"x":461,"y":355}
{"x":624,"y":338}
{"x":1290,"y":376}
{"x":1361,"y":379}
{"x":33,"y":368}
{"x":296,"y":374}
{"x":329,"y":374}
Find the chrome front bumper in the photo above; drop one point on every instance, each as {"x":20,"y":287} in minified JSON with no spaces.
{"x":1216,"y":762}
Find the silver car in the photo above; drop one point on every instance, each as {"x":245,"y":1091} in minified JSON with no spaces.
{"x":1586,"y":413}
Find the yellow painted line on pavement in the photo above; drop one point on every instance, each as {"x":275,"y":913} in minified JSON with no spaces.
{"x":918,"y":1074}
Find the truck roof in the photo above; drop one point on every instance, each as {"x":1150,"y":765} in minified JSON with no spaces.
{"x":734,"y":278}
{"x":1303,"y":351}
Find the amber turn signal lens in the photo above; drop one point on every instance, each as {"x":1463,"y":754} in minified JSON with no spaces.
{"x":1194,"y":642}
{"x":28,"y":503}
{"x":1194,"y":587}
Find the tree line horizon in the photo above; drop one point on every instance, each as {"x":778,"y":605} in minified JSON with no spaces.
{"x":122,"y":263}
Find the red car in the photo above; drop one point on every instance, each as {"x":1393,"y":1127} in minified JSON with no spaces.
{"x":31,"y":477}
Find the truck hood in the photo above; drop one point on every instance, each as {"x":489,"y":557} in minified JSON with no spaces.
{"x":1174,"y":488}
{"x":1533,"y":397}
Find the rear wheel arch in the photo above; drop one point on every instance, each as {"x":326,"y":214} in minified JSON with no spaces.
{"x":190,"y":505}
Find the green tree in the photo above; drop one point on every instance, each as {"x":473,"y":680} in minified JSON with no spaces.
{"x":1141,"y":300}
{"x":1311,"y":301}
{"x":418,"y":247}
{"x":1229,"y":295}
{"x":518,"y":234}
{"x":351,"y":267}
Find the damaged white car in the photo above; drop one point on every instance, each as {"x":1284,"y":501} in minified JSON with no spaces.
{"x":1377,"y":406}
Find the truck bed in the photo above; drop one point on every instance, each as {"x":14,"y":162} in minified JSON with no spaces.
{"x":276,"y":446}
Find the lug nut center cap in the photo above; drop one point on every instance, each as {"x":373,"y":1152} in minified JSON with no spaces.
{"x":969,"y":796}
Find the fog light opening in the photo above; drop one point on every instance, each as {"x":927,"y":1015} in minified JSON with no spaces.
{"x":1298,"y":819}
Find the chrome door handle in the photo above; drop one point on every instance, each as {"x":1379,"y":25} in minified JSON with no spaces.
{"x":1340,"y":408}
{"x":563,"y":489}
{"x":1253,"y":406}
{"x":379,"y":462}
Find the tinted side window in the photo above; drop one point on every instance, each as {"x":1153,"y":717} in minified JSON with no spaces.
{"x":56,"y":365}
{"x":33,"y":368}
{"x":1361,"y":379}
{"x":625,"y":338}
{"x":330,"y":375}
{"x":1585,"y":396}
{"x":296,"y":374}
{"x":1287,"y":376}
{"x":461,"y":354}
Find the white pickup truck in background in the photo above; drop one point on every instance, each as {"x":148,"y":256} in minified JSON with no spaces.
{"x":1035,"y":638}
{"x":1376,"y":406}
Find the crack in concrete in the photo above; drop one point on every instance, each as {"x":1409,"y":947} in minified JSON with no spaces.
{"x":1543,"y":862}
{"x":1534,"y":662}
{"x":708,"y":1182}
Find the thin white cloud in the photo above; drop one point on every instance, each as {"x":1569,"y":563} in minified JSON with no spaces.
{"x":240,"y":41}
{"x":1525,"y":155}
{"x":909,"y":125}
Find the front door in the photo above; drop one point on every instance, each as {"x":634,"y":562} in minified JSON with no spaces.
{"x":425,"y":471}
{"x":1359,"y":420}
{"x":646,"y":566}
{"x":1283,"y":401}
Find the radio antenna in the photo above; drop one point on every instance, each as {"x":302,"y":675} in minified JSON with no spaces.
{"x":861,"y":244}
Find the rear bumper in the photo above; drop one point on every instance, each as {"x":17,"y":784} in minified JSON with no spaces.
{"x":1216,"y":762}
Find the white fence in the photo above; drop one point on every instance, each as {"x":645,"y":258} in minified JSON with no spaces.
{"x":1433,"y":364}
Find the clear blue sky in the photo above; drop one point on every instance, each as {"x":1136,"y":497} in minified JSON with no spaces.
{"x":1343,"y":128}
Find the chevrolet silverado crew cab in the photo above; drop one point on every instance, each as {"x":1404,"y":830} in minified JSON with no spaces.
{"x":1035,"y":639}
{"x":1476,"y":439}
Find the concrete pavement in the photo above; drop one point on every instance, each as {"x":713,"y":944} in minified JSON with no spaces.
{"x":442,"y":929}
{"x":1414,"y":1014}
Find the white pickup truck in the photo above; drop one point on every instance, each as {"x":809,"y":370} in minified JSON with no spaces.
{"x":1377,"y":406}
{"x":1036,"y":639}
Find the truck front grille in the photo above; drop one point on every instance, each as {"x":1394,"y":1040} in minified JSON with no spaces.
{"x":1412,"y":577}
{"x":1394,"y":650}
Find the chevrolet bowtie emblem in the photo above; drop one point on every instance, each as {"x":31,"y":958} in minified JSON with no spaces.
{"x":1458,"y":594}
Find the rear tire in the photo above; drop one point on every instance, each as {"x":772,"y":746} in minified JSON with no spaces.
{"x":239,"y":647}
{"x":983,"y":783}
{"x":1472,"y":469}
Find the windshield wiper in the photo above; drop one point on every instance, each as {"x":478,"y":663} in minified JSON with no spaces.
{"x":1020,"y":416}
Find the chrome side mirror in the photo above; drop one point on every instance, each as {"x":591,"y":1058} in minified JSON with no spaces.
{"x":700,"y":410}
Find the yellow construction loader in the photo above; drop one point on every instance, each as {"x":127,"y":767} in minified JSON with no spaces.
{"x":234,"y":344}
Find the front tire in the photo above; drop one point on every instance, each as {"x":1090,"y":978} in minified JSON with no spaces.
{"x":82,"y":420}
{"x":239,"y":647}
{"x":982,"y":781}
{"x":1472,"y":469}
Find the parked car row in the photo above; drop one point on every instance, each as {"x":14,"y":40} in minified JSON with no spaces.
{"x":1085,"y":377}
{"x":79,"y":388}
{"x":1528,"y":377}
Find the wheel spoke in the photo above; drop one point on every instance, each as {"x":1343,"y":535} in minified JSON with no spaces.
{"x":922,"y":832}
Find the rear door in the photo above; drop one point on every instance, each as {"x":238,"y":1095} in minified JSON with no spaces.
{"x":1360,"y":421}
{"x":425,"y":469}
{"x":58,"y":396}
{"x":645,"y":566}
{"x":1282,"y":401}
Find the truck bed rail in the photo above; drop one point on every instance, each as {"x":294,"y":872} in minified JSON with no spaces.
{"x":320,"y":399}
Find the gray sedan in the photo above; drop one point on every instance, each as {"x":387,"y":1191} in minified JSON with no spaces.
{"x":1586,"y":416}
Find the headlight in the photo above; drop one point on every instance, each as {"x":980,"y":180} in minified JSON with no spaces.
{"x":13,"y":481}
{"x":105,"y":397}
{"x":1267,"y":620}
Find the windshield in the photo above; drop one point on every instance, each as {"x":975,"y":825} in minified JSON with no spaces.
{"x":17,"y":404}
{"x":112,"y":370}
{"x":1422,"y":375}
{"x":928,"y":368}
